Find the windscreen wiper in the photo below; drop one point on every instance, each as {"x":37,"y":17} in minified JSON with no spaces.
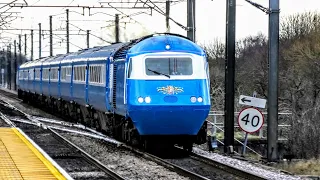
{"x":159,"y":73}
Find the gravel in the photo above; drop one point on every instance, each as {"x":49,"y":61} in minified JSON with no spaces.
{"x":3,"y":123}
{"x":39,"y":117}
{"x":203,"y":169}
{"x":268,"y":173}
{"x":125,"y":163}
{"x":27,"y":108}
{"x":4,"y":111}
{"x":69,"y":159}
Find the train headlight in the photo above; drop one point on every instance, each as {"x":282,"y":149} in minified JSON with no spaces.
{"x":147,"y":99}
{"x":140,"y":100}
{"x":200,"y":99}
{"x":193,"y":99}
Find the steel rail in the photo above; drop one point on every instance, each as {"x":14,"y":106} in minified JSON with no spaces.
{"x":41,"y":121}
{"x":5,"y":119}
{"x":225,"y":167}
{"x":169,"y":165}
{"x":94,"y":161}
{"x":92,"y":135}
{"x":87,"y":156}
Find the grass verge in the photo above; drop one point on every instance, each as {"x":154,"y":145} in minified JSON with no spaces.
{"x":302,"y":167}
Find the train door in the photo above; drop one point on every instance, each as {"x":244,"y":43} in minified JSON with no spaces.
{"x":41,"y":74}
{"x":30,"y":79}
{"x":71,"y":81}
{"x":87,"y":82}
{"x":59,"y":80}
{"x":108,"y":84}
{"x":112,"y":83}
{"x":49,"y":81}
{"x":120,"y":86}
{"x":34,"y":81}
{"x":126,"y":71}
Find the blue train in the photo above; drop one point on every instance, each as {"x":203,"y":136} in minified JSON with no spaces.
{"x":151,"y":89}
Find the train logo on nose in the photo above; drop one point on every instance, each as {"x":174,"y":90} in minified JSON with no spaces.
{"x":170,"y":90}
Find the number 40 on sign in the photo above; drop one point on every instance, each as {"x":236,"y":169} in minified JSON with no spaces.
{"x":250,"y":120}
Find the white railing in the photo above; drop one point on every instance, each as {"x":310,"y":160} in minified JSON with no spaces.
{"x":220,"y":126}
{"x":236,"y":140}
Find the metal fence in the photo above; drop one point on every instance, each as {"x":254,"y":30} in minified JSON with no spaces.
{"x":217,"y":118}
{"x":216,"y":124}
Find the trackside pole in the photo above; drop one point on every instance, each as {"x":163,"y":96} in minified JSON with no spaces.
{"x":229,"y":77}
{"x":272,"y":136}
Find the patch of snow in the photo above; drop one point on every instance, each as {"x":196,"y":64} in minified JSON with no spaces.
{"x":246,"y":166}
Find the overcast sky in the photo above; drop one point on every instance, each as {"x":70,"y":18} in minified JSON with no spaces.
{"x":210,"y":21}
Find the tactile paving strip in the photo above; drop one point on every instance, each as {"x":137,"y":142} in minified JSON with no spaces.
{"x":19,"y":159}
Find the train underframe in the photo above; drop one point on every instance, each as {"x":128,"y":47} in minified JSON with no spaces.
{"x":112,"y":125}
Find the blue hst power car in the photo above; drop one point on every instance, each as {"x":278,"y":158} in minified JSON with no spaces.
{"x":154,"y":87}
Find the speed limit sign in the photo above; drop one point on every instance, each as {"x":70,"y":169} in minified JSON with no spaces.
{"x":250,"y":120}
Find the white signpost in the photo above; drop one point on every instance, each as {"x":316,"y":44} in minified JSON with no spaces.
{"x":250,"y":120}
{"x":252,"y":101}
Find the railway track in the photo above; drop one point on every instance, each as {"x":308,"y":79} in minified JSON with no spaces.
{"x":191,"y":165}
{"x":44,"y":135}
{"x":37,"y":127}
{"x":10,"y":94}
{"x":23,"y":117}
{"x":77,"y":163}
{"x":195,"y":166}
{"x":180,"y":170}
{"x":211,"y":164}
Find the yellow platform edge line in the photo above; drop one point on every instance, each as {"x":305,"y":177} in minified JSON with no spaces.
{"x":46,"y":162}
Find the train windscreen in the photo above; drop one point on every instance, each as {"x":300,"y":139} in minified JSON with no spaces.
{"x":169,"y":66}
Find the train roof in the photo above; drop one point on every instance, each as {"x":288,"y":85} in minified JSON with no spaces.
{"x":152,"y":43}
{"x":160,"y":43}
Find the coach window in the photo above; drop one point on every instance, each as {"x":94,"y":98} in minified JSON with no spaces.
{"x":37,"y":73}
{"x":31,"y":72}
{"x":63,"y":73}
{"x":95,"y":74}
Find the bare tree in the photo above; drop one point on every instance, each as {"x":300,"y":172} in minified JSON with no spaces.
{"x":216,"y":52}
{"x":252,"y":65}
{"x":299,"y":73}
{"x":304,"y":92}
{"x":299,"y":25}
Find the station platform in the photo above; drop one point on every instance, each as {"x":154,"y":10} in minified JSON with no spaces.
{"x":21,"y":158}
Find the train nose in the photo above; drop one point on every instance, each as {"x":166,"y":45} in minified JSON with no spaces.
{"x":169,"y":120}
